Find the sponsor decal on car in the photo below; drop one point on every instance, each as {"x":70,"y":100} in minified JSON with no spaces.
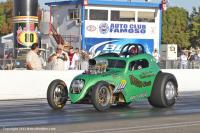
{"x":138,"y":83}
{"x":116,"y":76}
{"x":120,"y":87}
{"x":139,"y":97}
{"x":146,"y":75}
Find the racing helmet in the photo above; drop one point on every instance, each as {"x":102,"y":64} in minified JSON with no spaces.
{"x":133,"y":51}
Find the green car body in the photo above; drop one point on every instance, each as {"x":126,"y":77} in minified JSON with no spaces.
{"x":117,"y":79}
{"x":133,"y":84}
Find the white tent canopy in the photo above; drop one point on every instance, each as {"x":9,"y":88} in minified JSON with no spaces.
{"x":7,"y":38}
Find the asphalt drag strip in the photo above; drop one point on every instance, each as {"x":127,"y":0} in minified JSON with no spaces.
{"x":35,"y":115}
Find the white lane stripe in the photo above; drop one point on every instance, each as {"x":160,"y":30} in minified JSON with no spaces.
{"x":143,"y":128}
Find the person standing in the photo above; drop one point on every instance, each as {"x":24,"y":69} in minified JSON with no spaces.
{"x":9,"y":61}
{"x":33,"y":61}
{"x":190,"y":59}
{"x":77,"y":59}
{"x":156,"y":55}
{"x":198,"y":59}
{"x":57,"y":60}
{"x":71,"y":55}
{"x":43,"y":62}
{"x":183,"y":61}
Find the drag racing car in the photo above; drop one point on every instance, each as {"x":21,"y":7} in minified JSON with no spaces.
{"x":117,"y":79}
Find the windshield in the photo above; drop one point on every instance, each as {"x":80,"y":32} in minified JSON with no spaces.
{"x":116,"y":63}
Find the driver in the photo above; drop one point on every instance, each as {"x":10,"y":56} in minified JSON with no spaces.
{"x":133,"y":51}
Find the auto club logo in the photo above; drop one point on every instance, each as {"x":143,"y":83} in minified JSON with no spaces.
{"x":103,"y":28}
{"x":91,"y":28}
{"x":27,"y":35}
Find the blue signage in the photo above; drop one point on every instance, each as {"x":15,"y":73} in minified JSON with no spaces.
{"x":128,"y":28}
{"x":106,"y":45}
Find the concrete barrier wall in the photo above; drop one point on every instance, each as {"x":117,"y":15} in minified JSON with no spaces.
{"x":34,"y":84}
{"x":188,"y":79}
{"x":30,"y":84}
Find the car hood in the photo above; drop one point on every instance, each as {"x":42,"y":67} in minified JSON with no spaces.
{"x":114,"y":73}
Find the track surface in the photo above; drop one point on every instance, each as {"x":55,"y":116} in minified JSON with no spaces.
{"x":36,"y":116}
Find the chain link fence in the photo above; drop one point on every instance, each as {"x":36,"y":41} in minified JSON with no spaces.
{"x":10,"y":64}
{"x":13,"y":64}
{"x":176,"y":64}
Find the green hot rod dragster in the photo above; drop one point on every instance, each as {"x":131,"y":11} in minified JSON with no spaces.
{"x":117,"y":79}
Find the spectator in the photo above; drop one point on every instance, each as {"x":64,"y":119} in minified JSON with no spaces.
{"x":33,"y":61}
{"x":183,"y":61}
{"x":197,"y":59}
{"x":198,"y":55}
{"x":156,"y":55}
{"x":77,"y":59}
{"x":9,"y":61}
{"x":56,"y":60}
{"x":9,"y":56}
{"x":41,"y":59}
{"x":190,"y":59}
{"x":67,"y":62}
{"x":71,"y":55}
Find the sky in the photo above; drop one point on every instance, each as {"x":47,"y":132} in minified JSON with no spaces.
{"x":187,"y":4}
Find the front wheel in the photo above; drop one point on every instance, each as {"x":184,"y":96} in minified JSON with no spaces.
{"x":101,"y":96}
{"x":165,"y":91}
{"x":57,"y":94}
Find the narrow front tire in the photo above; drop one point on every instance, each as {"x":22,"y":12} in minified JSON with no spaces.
{"x":57,"y":94}
{"x":101,"y":96}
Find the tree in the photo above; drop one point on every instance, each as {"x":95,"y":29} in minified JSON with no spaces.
{"x":4,"y":28}
{"x":175,"y":27}
{"x":195,"y":27}
{"x":6,"y":10}
{"x":1,"y":15}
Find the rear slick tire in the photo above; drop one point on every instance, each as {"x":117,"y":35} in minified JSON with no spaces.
{"x":164,"y":91}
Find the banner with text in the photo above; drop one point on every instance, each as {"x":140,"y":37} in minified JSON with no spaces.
{"x":111,"y":29}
